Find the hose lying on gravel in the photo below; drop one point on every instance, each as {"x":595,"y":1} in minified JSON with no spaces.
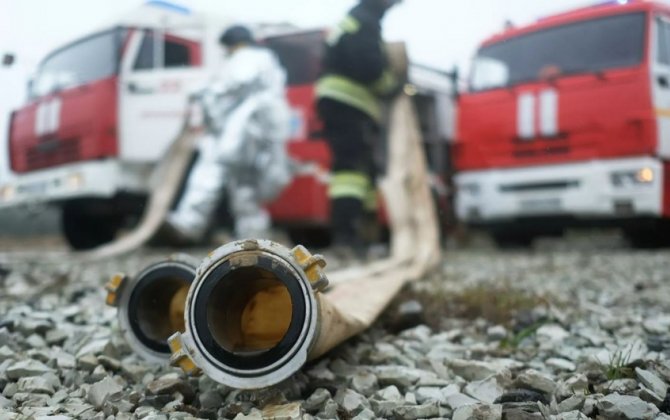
{"x":256,"y":311}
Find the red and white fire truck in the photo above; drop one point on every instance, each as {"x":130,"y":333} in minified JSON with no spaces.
{"x":104,"y":109}
{"x":567,"y":123}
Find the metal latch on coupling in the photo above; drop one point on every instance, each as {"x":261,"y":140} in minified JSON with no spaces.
{"x":180,"y":357}
{"x":114,"y":287}
{"x":313,"y":266}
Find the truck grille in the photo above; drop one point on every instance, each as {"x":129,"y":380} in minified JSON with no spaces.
{"x":535,"y":186}
{"x":52,"y":153}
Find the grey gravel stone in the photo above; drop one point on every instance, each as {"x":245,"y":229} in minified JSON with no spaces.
{"x":649,"y":396}
{"x":426,"y":394}
{"x":626,"y":407}
{"x":321,"y":372}
{"x":170,"y":383}
{"x":479,"y":412}
{"x":291,"y":411}
{"x":87,"y":362}
{"x":351,"y":401}
{"x":6,"y":403}
{"x":574,"y":403}
{"x":109,"y":363}
{"x":411,"y":412}
{"x":552,"y":332}
{"x":364,"y":382}
{"x":496,"y":332}
{"x":317,"y":400}
{"x":6,"y":353}
{"x":93,"y":347}
{"x":651,"y":381}
{"x":400,"y":376}
{"x":35,"y":385}
{"x":473,"y":370}
{"x":390,"y":393}
{"x":384,"y":408}
{"x":561,"y":364}
{"x":329,"y":410}
{"x":56,"y":337}
{"x":532,"y":379}
{"x":486,"y":390}
{"x":10,"y":389}
{"x":621,"y":386}
{"x":28,"y":367}
{"x":570,"y":415}
{"x":366,"y":414}
{"x":102,"y":390}
{"x":210,"y":400}
{"x":456,"y":401}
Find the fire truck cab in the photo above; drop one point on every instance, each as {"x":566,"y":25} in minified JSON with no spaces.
{"x":567,"y":123}
{"x":104,"y":109}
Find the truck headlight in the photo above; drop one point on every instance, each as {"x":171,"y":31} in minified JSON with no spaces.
{"x":75,"y":181}
{"x":7,"y":192}
{"x":626,"y":178}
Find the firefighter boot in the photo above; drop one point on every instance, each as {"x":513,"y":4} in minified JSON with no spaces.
{"x":347,"y":218}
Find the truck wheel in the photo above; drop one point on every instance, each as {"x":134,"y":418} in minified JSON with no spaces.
{"x":513,"y":240}
{"x":84,"y":229}
{"x":647,"y":238}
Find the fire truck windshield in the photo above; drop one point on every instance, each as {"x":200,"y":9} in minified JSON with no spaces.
{"x":590,"y":46}
{"x":93,"y":58}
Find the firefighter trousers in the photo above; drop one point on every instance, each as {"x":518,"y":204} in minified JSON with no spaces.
{"x":352,"y":136}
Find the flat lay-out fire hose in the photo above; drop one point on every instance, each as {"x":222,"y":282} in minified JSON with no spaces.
{"x":254,"y":312}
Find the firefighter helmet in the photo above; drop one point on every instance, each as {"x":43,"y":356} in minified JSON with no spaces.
{"x":383,"y":4}
{"x":236,"y":35}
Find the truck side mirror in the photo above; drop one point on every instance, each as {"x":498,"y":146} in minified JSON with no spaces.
{"x":454,"y":78}
{"x":8,"y":59}
{"x":30,"y":86}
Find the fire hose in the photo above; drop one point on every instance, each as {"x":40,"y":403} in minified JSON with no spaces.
{"x":256,"y":311}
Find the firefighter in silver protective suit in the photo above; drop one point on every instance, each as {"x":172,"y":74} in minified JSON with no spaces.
{"x":243,"y":151}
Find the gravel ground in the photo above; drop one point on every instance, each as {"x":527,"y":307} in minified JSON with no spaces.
{"x":572,"y":330}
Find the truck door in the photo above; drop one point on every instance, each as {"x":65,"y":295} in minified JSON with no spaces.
{"x":159,"y":71}
{"x":660,"y":83}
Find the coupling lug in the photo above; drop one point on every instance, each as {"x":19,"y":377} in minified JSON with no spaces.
{"x":180,"y":357}
{"x":114,"y":287}
{"x":313,"y":266}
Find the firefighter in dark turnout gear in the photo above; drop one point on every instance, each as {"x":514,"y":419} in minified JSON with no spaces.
{"x":356,"y":77}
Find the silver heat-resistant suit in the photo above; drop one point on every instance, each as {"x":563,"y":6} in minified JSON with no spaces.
{"x":243,"y":150}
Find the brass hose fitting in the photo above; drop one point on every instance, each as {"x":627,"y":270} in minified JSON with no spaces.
{"x":251,"y":314}
{"x":151,"y":304}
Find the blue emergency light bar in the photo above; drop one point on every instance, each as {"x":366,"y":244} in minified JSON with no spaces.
{"x":170,"y":6}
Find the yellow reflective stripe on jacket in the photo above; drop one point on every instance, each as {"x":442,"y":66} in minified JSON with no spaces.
{"x":347,"y":91}
{"x":386,"y":83}
{"x":371,"y":202}
{"x":349,"y":184}
{"x":348,"y":25}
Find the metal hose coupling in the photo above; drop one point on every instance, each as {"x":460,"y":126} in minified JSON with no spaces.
{"x":251,"y":315}
{"x":151,"y":304}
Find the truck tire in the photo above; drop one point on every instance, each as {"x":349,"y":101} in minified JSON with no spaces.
{"x":513,"y":240}
{"x":85,"y":229}
{"x":648,"y":237}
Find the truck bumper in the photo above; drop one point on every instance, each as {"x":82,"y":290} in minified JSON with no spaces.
{"x":600,"y":189}
{"x":100,"y":179}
